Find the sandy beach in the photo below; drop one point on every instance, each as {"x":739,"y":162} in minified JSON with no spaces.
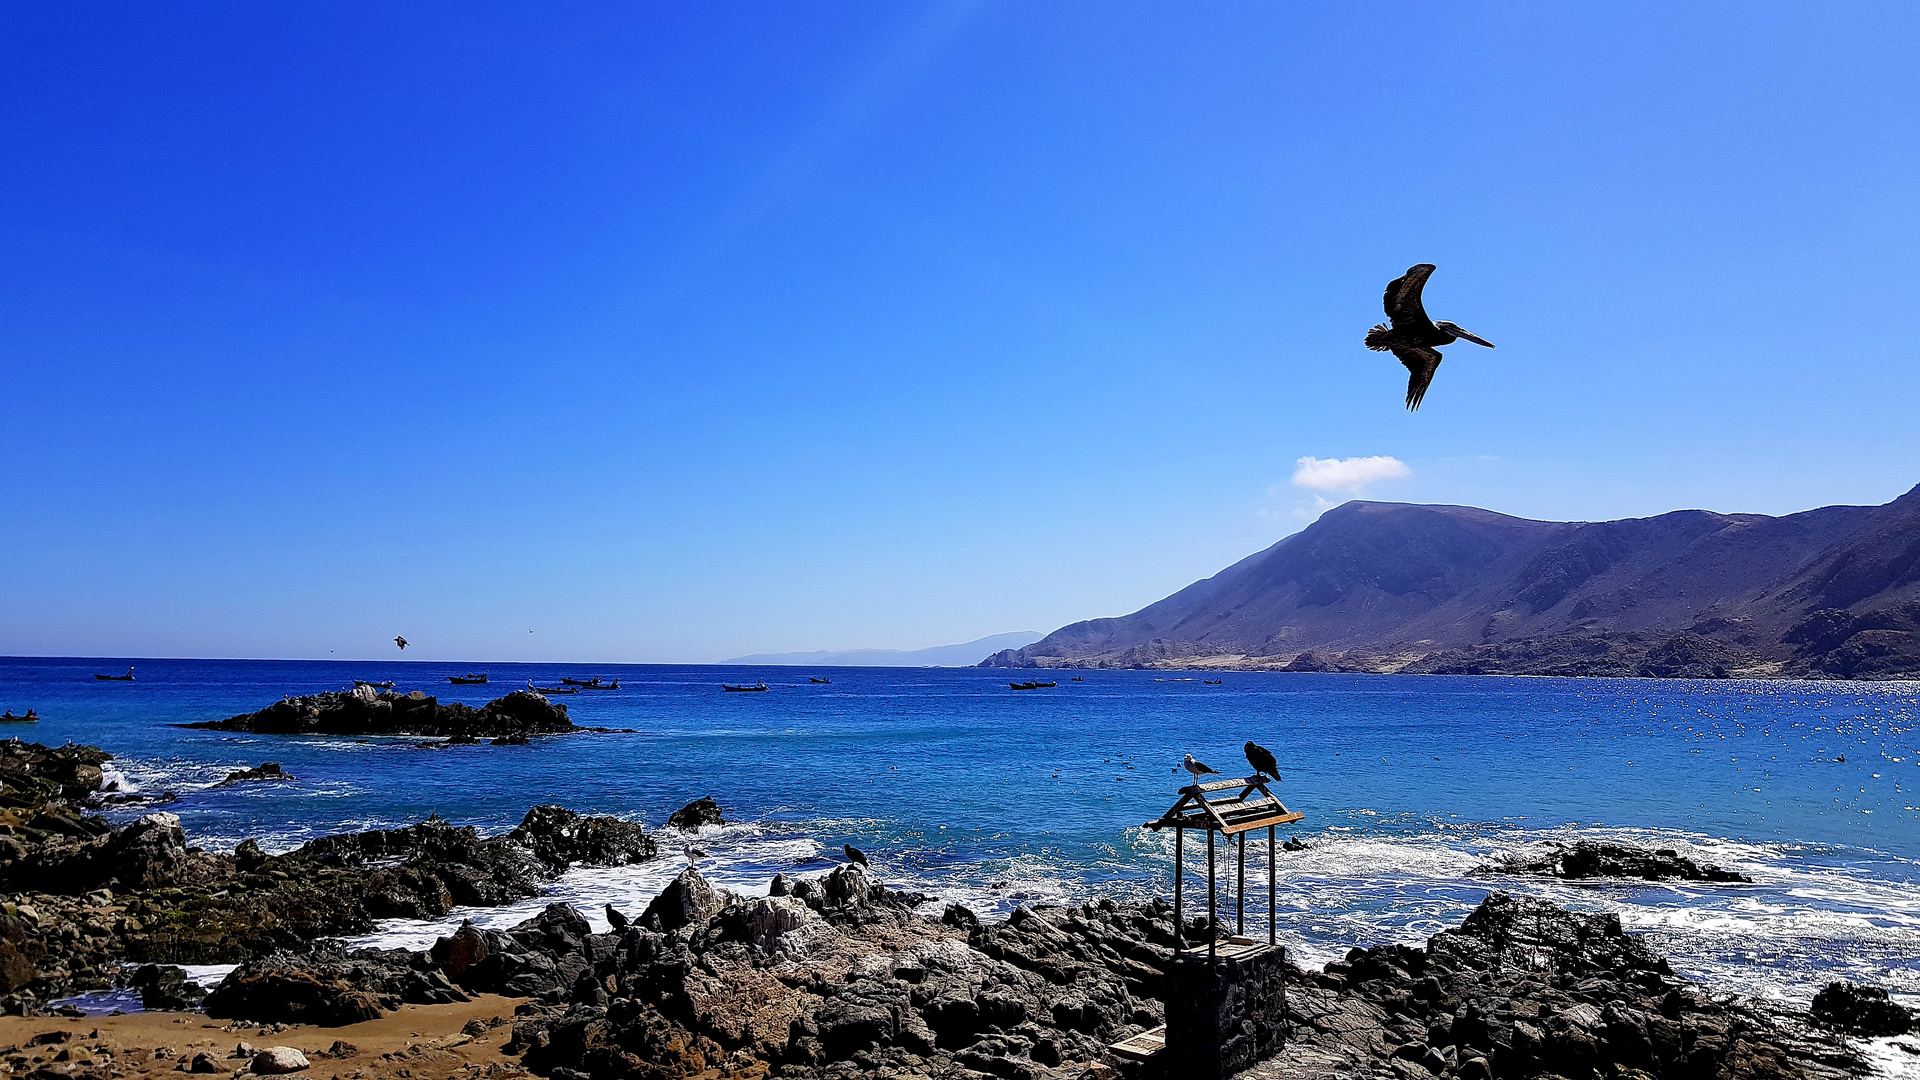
{"x":421,"y":1042}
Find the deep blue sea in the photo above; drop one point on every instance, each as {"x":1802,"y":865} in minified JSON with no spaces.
{"x":960,"y":787}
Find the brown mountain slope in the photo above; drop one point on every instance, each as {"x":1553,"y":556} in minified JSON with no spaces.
{"x":1833,"y":592}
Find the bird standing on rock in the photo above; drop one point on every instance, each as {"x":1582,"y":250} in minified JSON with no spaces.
{"x":694,"y":854}
{"x":1197,"y":768}
{"x":1262,"y":760}
{"x":1413,"y":337}
{"x":854,"y":854}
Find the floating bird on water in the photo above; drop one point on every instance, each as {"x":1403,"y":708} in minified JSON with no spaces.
{"x":1262,"y":761}
{"x":854,"y":854}
{"x":1413,"y":337}
{"x":400,"y":641}
{"x":1197,"y":767}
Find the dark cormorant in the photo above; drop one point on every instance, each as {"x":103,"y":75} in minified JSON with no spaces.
{"x":400,"y":641}
{"x":854,"y":854}
{"x":1262,"y":760}
{"x":1413,"y":337}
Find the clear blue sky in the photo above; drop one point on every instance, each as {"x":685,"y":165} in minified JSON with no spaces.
{"x":678,"y":331}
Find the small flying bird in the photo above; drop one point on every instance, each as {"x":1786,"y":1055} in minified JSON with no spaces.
{"x":1413,"y":337}
{"x":1262,"y":761}
{"x":400,"y":641}
{"x":854,"y":854}
{"x":1197,"y":767}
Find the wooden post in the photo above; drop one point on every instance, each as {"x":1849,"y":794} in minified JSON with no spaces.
{"x":1273,"y":912}
{"x":1240,"y":897}
{"x":1179,"y":924}
{"x":1213,"y":909}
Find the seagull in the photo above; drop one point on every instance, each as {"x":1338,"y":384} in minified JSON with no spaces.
{"x":854,"y":854}
{"x":400,"y":641}
{"x":694,"y":854}
{"x":1196,"y":767}
{"x":616,"y":918}
{"x":1262,"y":761}
{"x":1413,"y":337}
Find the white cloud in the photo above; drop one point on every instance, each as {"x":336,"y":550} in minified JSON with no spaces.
{"x":1347,"y":474}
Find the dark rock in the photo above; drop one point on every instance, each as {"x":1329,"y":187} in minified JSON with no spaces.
{"x":268,"y":772}
{"x":327,"y":986}
{"x":164,"y":988}
{"x":688,"y":899}
{"x":1595,"y":859}
{"x":1860,"y":1010}
{"x":364,"y":712}
{"x":696,"y":814}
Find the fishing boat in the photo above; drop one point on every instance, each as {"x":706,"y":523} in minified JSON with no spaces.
{"x":9,"y":718}
{"x":1030,"y":685}
{"x":552,"y":689}
{"x":469,"y":679}
{"x":388,"y":685}
{"x":814,"y":680}
{"x":598,"y":685}
{"x":1077,"y":678}
{"x":1210,"y":682}
{"x":128,"y":677}
{"x":743,"y":689}
{"x":564,"y":681}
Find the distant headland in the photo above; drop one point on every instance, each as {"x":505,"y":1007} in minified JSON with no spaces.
{"x":1832,"y":593}
{"x":966,"y":654}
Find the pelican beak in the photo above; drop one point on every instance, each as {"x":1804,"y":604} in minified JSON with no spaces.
{"x":1476,"y":339}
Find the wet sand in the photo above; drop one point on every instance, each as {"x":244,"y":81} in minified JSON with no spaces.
{"x":420,"y":1042}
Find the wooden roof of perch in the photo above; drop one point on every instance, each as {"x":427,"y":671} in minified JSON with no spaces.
{"x":1207,"y":806}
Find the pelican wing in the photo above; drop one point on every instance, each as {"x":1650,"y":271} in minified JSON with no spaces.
{"x":1421,"y":362}
{"x":1403,"y":298}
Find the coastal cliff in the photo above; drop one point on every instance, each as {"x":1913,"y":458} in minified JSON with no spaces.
{"x":1397,"y":587}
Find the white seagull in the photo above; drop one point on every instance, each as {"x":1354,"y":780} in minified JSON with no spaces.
{"x":1197,"y":767}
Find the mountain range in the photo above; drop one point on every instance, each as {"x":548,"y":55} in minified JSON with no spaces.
{"x":966,"y":654}
{"x":1398,"y":587}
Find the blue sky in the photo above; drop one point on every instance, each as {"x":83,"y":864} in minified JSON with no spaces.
{"x":677,"y":331}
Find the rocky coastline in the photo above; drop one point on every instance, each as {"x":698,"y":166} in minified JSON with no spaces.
{"x":83,"y":897}
{"x":829,"y":976}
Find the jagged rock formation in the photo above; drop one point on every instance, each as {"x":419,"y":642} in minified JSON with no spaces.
{"x":363,"y":711}
{"x":82,"y":896}
{"x":1586,"y":859}
{"x":1830,"y":593}
{"x":839,"y":979}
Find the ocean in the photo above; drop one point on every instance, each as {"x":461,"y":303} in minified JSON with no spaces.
{"x":959,"y":787}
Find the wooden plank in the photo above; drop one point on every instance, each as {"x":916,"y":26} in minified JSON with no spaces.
{"x":1284,"y":819}
{"x":1143,"y":1046}
{"x":1222,"y":785}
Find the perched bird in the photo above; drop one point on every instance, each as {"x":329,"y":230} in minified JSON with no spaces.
{"x":615,"y":918}
{"x":694,"y":854}
{"x":854,"y":854}
{"x":400,"y":641}
{"x":1262,"y":761}
{"x":1197,"y":767}
{"x":1413,"y":337}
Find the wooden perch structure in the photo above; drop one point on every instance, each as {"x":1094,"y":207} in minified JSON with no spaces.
{"x":1209,"y":806}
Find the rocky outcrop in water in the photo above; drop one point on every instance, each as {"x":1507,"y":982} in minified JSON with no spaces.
{"x":85,"y":896}
{"x":697,"y":814}
{"x":1588,"y":859}
{"x":1861,"y":1010}
{"x":363,"y":711}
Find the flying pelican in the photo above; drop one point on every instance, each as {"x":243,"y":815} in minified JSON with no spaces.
{"x":1262,"y":761}
{"x":400,"y":641}
{"x":1197,"y":767}
{"x":854,"y":854}
{"x":1413,"y":337}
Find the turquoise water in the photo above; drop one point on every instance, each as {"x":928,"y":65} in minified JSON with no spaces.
{"x":963,"y":788}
